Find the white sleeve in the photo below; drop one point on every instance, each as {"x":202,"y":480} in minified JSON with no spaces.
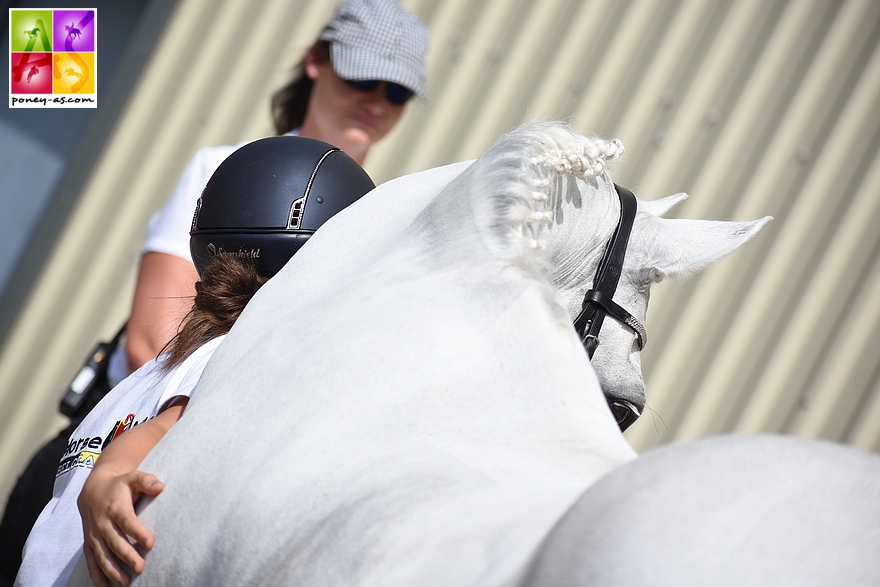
{"x":187,"y":375}
{"x":169,"y":227}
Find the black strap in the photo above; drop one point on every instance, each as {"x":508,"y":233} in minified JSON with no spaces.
{"x":608,"y":272}
{"x":592,"y":315}
{"x":599,"y":301}
{"x":618,"y":313}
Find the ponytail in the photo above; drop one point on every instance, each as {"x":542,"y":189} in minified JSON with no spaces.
{"x":228,"y":283}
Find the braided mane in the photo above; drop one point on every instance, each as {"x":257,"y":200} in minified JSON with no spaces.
{"x":517,"y":189}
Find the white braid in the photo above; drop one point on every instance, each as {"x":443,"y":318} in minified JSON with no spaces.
{"x":584,"y":160}
{"x":519,"y":178}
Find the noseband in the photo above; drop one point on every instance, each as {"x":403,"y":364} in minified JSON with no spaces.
{"x":598,"y":301}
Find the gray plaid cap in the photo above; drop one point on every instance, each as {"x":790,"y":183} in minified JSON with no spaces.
{"x":378,"y":39}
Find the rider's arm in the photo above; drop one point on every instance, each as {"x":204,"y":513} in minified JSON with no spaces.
{"x":163,"y":296}
{"x":107,"y":500}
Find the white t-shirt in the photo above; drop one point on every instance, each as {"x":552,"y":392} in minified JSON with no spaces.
{"x":56,"y":540}
{"x":168,"y":231}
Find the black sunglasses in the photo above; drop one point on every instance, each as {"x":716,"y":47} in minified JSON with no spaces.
{"x":394,"y":93}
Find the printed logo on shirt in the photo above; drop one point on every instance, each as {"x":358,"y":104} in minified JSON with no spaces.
{"x":87,"y":458}
{"x":77,"y":448}
{"x":120,"y":427}
{"x":84,"y":452}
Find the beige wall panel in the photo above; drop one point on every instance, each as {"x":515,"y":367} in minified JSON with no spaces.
{"x":685,"y":383}
{"x":821,"y":306}
{"x":754,"y":107}
{"x":799,"y":227}
{"x":865,"y":432}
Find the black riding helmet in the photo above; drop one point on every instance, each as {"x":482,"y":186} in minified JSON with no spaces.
{"x":267,"y":198}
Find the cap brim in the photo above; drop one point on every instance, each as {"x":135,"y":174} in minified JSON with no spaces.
{"x":354,"y":63}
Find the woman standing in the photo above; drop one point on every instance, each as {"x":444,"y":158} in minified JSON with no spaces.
{"x":350,"y":90}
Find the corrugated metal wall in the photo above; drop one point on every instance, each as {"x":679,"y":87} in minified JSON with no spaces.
{"x":754,"y":107}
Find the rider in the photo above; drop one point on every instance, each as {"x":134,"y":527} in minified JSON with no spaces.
{"x":260,"y":206}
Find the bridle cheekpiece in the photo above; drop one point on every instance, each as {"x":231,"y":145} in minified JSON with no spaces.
{"x":599,"y":302}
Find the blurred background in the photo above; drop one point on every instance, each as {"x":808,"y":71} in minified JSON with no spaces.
{"x":753,"y":107}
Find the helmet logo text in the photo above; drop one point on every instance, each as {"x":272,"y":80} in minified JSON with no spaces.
{"x":242,"y":253}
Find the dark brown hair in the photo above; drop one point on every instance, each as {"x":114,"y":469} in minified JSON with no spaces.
{"x":289,"y":104}
{"x":228,"y":283}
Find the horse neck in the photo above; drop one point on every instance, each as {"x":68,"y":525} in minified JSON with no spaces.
{"x":510,"y":219}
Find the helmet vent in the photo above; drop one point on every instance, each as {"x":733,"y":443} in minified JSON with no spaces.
{"x":296,"y":213}
{"x":298,"y":208}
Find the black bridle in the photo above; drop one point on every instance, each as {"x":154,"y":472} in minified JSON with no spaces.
{"x":598,"y":301}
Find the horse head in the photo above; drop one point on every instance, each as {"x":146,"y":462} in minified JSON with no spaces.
{"x":556,"y":208}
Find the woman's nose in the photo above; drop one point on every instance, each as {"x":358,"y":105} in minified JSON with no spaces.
{"x":376,"y":97}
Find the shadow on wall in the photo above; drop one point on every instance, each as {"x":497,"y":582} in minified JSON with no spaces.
{"x":45,"y":154}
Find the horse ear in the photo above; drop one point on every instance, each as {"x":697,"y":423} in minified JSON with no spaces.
{"x":663,"y":205}
{"x":685,"y":247}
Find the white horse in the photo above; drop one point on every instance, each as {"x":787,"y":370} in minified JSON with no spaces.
{"x":407,"y":402}
{"x":726,"y":511}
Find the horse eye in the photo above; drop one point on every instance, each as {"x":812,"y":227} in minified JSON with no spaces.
{"x":624,"y":413}
{"x":619,"y":411}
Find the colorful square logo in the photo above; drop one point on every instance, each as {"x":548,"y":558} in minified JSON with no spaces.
{"x":53,"y":55}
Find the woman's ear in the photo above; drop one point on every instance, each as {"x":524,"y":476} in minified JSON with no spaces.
{"x":317,"y":56}
{"x":312,"y":62}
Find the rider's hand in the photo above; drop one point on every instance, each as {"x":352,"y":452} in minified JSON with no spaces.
{"x":106,"y":506}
